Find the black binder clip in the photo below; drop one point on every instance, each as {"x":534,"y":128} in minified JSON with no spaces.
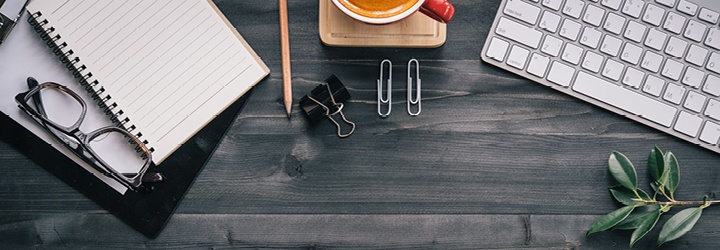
{"x":327,"y":100}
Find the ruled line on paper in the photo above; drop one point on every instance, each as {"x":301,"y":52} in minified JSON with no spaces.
{"x":151,"y":56}
{"x":120,"y":17}
{"x":80,"y":27}
{"x":78,"y":15}
{"x":61,"y":6}
{"x":69,"y":11}
{"x":206,"y":100}
{"x":82,"y":38}
{"x":177,"y":88}
{"x":192,"y":43}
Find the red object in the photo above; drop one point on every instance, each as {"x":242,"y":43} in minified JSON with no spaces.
{"x":440,"y":10}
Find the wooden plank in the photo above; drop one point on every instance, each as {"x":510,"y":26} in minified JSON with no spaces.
{"x":334,"y":231}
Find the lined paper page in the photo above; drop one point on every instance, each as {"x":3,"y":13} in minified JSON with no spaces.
{"x":171,"y":66}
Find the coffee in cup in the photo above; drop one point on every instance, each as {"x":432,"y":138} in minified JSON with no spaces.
{"x":378,"y":8}
{"x":388,"y":11}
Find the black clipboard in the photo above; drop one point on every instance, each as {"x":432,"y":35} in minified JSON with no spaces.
{"x":145,"y":212}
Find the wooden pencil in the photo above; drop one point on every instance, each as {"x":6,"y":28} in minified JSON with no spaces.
{"x":285,"y":48}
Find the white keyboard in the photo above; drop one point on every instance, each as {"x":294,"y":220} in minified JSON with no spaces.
{"x":655,"y":61}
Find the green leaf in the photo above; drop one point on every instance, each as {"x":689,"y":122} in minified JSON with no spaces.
{"x":639,"y":215}
{"x":628,"y":197}
{"x":673,"y":179}
{"x":622,"y":170}
{"x":610,"y":220}
{"x":679,"y":224}
{"x":656,"y":163}
{"x":644,"y":195}
{"x":644,"y":226}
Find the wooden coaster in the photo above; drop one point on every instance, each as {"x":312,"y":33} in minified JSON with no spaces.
{"x":416,"y":31}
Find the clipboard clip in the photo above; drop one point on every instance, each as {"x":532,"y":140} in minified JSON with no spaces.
{"x":10,"y":12}
{"x":327,"y":100}
{"x":381,"y":99}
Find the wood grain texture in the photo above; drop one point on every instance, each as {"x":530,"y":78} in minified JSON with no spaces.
{"x":493,"y":161}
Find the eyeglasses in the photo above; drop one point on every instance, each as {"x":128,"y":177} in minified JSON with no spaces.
{"x":111,"y":150}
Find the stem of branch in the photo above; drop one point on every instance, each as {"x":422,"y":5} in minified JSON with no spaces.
{"x":681,"y":203}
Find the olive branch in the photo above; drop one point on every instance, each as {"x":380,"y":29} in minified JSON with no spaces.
{"x":641,"y":211}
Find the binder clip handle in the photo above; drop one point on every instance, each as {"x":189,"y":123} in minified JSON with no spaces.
{"x":327,"y":100}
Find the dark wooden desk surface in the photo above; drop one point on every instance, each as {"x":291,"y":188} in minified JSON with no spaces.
{"x":493,"y":161}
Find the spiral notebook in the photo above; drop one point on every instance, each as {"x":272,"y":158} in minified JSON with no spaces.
{"x":174,"y":72}
{"x":163,"y":69}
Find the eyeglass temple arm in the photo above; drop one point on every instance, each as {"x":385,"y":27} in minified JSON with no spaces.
{"x":37,"y":99}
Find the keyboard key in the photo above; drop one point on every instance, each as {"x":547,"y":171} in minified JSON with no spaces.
{"x":497,"y":49}
{"x":625,"y":99}
{"x":552,"y":46}
{"x":688,"y":124}
{"x":712,"y":85}
{"x":613,"y":4}
{"x":674,"y":93}
{"x":653,"y":14}
{"x":518,"y":56}
{"x":522,"y":11}
{"x":651,"y":61}
{"x":633,"y":77}
{"x":694,"y":101}
{"x":635,"y":31}
{"x":695,"y":30}
{"x":693,"y":77}
{"x":696,"y":55}
{"x":592,"y":61}
{"x":573,"y":8}
{"x":687,"y":7}
{"x":552,"y":4}
{"x":561,"y":74}
{"x":538,"y":65}
{"x":633,"y":8}
{"x":594,"y":15}
{"x":709,"y":16}
{"x":611,"y":45}
{"x":590,"y":37}
{"x":676,"y":47}
{"x":713,"y":39}
{"x":550,"y":21}
{"x":655,"y":39}
{"x":613,"y":69}
{"x":570,"y":29}
{"x":672,"y":69}
{"x":653,"y":85}
{"x":572,"y":54}
{"x":614,"y":23}
{"x":668,"y":3}
{"x":714,"y":62}
{"x":674,"y":22}
{"x":713,"y":109}
{"x":518,"y":32}
{"x":631,"y":53}
{"x":710,"y":133}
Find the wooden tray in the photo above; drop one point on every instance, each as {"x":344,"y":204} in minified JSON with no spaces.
{"x":416,"y":31}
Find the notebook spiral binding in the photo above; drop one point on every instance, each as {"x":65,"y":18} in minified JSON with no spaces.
{"x":74,"y":65}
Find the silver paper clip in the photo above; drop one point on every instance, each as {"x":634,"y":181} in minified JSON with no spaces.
{"x":380,"y":99}
{"x":410,"y":100}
